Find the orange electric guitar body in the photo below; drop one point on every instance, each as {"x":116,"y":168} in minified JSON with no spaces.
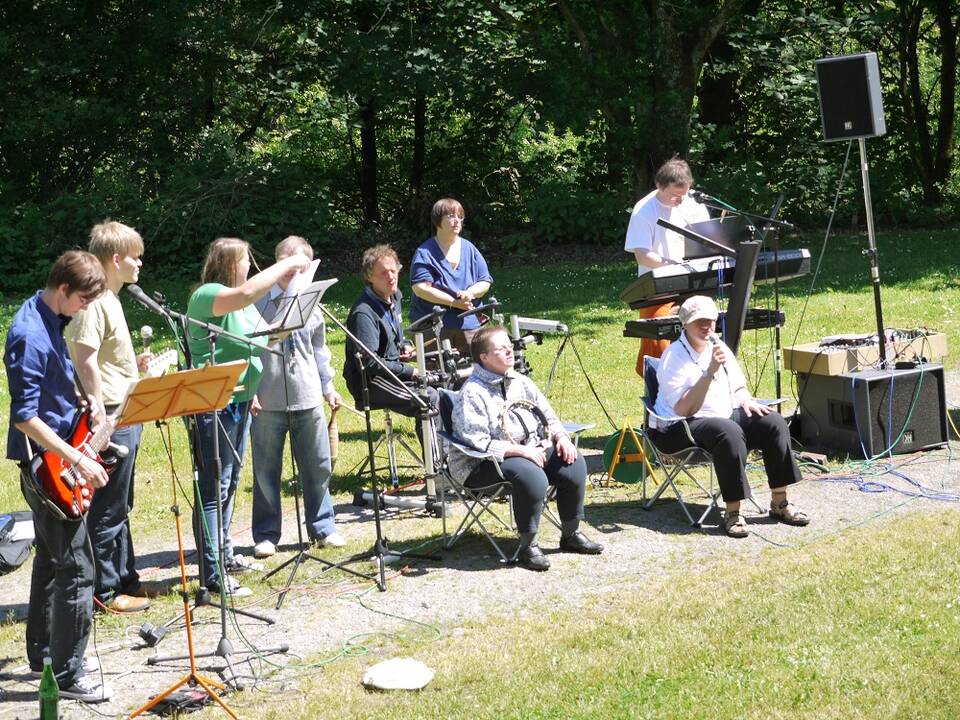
{"x":59,"y":481}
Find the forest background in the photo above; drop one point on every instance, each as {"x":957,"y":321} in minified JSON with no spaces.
{"x":342,"y":120}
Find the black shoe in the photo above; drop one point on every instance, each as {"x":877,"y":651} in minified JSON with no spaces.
{"x":532,"y":558}
{"x":579,"y":543}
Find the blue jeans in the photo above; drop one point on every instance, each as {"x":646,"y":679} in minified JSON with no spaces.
{"x":109,"y":522}
{"x":61,"y":590}
{"x":235,"y":419}
{"x":311,"y":448}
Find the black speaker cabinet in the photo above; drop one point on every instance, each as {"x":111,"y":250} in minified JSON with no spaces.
{"x":868,"y":411}
{"x":851,"y":105}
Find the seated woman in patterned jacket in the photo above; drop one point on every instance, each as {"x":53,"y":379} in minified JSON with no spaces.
{"x":503,"y":412}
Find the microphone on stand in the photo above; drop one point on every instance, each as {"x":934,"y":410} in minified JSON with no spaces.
{"x":702,"y":197}
{"x":148,"y":302}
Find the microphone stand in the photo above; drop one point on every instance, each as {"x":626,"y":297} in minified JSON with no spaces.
{"x":224,"y":647}
{"x":381,"y":546}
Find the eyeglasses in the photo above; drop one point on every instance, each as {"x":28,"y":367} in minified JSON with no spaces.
{"x":452,"y":217}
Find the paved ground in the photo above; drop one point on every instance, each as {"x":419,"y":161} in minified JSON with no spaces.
{"x":323,"y":612}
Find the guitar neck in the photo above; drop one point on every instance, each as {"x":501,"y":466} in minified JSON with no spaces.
{"x":102,"y":436}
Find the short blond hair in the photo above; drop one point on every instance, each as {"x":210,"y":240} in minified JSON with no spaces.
{"x":291,"y":245}
{"x":223,"y":257}
{"x":111,"y":238}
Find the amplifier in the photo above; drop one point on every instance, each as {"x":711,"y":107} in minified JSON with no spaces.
{"x":870,"y":411}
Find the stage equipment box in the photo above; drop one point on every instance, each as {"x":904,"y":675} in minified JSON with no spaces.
{"x":866,"y":412}
{"x":820,"y":359}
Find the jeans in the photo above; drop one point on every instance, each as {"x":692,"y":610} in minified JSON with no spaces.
{"x":61,"y":590}
{"x":311,"y":448}
{"x":109,"y":522}
{"x":235,"y":419}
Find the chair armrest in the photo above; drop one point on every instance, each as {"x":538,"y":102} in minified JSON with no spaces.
{"x":669,"y":420}
{"x":469,"y":450}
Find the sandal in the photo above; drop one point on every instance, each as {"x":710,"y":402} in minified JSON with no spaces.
{"x":787,"y":512}
{"x":735,"y":525}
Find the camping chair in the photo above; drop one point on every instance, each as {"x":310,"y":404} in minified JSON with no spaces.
{"x":682,"y":461}
{"x":478,"y":502}
{"x":676,"y":463}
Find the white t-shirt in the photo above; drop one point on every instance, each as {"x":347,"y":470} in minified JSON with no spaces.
{"x":681,"y":367}
{"x":643,"y":233}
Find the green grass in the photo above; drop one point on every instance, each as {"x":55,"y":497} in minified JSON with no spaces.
{"x":861,"y":625}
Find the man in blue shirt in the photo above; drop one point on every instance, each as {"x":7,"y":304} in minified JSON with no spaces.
{"x":43,"y":404}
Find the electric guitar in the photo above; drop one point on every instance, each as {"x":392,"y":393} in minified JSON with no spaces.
{"x":60,"y":481}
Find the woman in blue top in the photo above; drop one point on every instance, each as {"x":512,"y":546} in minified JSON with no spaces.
{"x":449,"y":271}
{"x":226,"y":298}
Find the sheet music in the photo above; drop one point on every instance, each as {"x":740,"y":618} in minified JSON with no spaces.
{"x":293,"y":310}
{"x":302,"y":280}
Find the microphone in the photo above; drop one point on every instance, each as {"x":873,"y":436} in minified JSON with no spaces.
{"x":148,"y":302}
{"x":146,"y":335}
{"x":121,"y":451}
{"x":702,"y":197}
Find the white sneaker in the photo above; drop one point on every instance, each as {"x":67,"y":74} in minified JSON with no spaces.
{"x":334,"y":539}
{"x":264,"y":549}
{"x":234,"y":588}
{"x":242,"y":564}
{"x":87,"y":689}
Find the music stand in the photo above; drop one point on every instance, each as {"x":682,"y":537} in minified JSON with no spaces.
{"x":193,"y":392}
{"x":293,"y":311}
{"x":157,"y":399}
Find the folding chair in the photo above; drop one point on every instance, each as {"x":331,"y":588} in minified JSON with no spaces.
{"x":478,"y":502}
{"x":676,"y":463}
{"x":681,"y":461}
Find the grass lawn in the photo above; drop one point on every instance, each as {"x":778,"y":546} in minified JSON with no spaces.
{"x":862,"y":625}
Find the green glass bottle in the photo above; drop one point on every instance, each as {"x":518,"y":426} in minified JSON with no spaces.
{"x":49,"y":693}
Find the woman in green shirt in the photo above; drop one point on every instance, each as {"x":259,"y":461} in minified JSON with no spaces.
{"x":226,"y":298}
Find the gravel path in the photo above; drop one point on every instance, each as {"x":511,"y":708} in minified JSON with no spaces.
{"x":317,"y":618}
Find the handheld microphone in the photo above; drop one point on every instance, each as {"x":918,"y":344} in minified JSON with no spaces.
{"x":148,"y":302}
{"x":146,"y":335}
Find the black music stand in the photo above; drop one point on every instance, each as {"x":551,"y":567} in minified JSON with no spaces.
{"x":294,"y":312}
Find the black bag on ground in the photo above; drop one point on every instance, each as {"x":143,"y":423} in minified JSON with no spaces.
{"x":15,"y":542}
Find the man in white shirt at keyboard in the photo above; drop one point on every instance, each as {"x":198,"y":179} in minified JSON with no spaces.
{"x":655,"y":246}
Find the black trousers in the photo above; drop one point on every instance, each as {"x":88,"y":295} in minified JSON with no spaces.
{"x":728,"y":439}
{"x":61,"y":590}
{"x":529,"y":486}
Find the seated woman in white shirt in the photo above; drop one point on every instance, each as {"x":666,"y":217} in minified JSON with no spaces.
{"x":701,"y":380}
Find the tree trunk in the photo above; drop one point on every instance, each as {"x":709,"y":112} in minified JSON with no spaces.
{"x":415,"y":193}
{"x":369,"y":195}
